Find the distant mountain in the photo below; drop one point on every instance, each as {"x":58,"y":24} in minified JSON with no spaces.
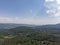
{"x":36,"y":28}
{"x":25,"y":28}
{"x":12,"y":25}
{"x":52,"y":26}
{"x":8,"y":25}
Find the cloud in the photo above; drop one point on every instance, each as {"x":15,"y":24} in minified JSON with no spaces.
{"x":26,"y":20}
{"x":49,"y":0}
{"x":58,"y":1}
{"x":53,"y":7}
{"x":6,"y":19}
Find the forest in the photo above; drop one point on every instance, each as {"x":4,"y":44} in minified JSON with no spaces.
{"x":24,"y":35}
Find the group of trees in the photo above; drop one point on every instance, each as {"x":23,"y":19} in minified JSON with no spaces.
{"x":36,"y":38}
{"x":30,"y":36}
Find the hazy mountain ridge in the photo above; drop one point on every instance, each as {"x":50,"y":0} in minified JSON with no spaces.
{"x":29,"y":29}
{"x":12,"y":25}
{"x":25,"y":28}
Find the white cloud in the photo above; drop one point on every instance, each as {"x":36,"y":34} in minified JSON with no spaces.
{"x":58,"y":1}
{"x":5,"y":19}
{"x":53,"y":7}
{"x":48,"y":0}
{"x":26,"y":20}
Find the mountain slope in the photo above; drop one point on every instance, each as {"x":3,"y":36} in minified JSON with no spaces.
{"x":26,"y":29}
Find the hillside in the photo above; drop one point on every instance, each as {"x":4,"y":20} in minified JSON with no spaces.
{"x":30,"y":35}
{"x":29,"y":29}
{"x":25,"y":28}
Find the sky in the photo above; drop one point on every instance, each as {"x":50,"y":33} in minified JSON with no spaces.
{"x":30,"y":11}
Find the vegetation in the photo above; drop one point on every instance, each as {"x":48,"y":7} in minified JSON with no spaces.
{"x":36,"y":38}
{"x":30,"y":36}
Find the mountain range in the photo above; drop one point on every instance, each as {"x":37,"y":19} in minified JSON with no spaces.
{"x":25,"y":28}
{"x":12,"y":25}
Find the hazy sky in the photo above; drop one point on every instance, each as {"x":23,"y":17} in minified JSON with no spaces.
{"x":30,"y":11}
